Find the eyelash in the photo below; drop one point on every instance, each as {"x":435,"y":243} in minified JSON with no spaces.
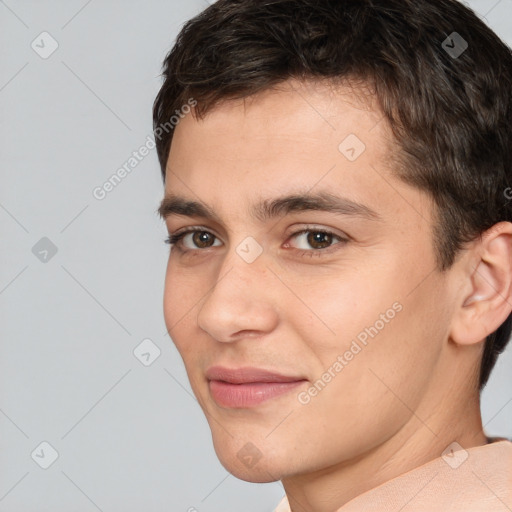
{"x":176,"y":240}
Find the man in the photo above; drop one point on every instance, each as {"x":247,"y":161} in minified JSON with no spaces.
{"x":339,"y":284}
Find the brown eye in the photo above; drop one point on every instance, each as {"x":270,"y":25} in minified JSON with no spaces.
{"x":315,"y":240}
{"x":319,"y":239}
{"x":202,"y":239}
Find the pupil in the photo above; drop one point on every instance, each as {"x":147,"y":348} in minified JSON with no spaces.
{"x":200,"y":238}
{"x":316,"y":238}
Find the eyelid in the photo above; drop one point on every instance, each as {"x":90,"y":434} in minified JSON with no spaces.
{"x":317,"y":228}
{"x":193,"y":228}
{"x":176,"y":238}
{"x":182,"y":232}
{"x":304,"y":229}
{"x":324,"y":252}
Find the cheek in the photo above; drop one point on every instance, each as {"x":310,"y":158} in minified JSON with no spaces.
{"x":372,"y":331}
{"x":180,"y":302}
{"x":180,"y":312}
{"x":172,"y":307}
{"x":401,"y":345}
{"x":335,"y":308}
{"x":182,"y":289}
{"x":360,"y":388}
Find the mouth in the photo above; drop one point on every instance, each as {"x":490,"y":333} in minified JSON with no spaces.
{"x":248,"y":387}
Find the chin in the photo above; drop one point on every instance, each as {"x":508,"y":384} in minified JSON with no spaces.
{"x":261,"y":473}
{"x":248,"y":463}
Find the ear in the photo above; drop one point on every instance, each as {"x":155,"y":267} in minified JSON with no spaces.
{"x":486,"y":295}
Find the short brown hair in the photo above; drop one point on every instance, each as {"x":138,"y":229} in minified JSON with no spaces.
{"x":448,"y":105}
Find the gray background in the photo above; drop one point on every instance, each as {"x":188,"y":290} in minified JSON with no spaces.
{"x":129,"y":437}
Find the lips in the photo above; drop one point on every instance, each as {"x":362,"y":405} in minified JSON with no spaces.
{"x":248,"y":386}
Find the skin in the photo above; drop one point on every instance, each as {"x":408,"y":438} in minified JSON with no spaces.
{"x":412,"y":390}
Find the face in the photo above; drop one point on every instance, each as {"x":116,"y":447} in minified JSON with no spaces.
{"x":304,"y":293}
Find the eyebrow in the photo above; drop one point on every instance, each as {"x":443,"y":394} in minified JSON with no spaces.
{"x":269,"y":209}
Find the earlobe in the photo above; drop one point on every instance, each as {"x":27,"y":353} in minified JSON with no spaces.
{"x":488,"y":302}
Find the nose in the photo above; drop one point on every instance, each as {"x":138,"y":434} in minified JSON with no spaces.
{"x":242,"y":302}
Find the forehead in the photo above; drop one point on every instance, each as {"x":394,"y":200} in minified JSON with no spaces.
{"x":299,"y":136}
{"x":316,"y":113}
